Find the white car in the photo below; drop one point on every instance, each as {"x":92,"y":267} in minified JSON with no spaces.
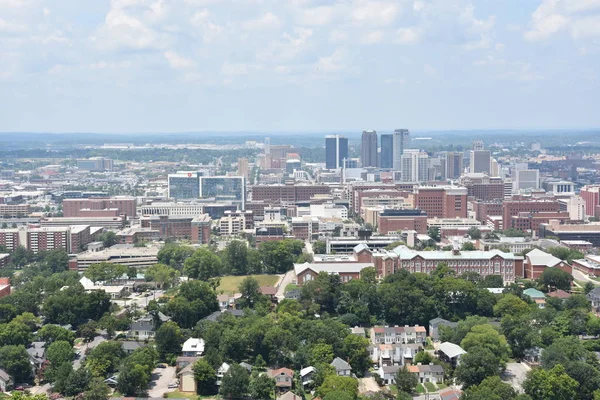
{"x":173,"y":385}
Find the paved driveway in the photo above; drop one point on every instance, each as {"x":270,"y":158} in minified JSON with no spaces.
{"x":161,"y":377}
{"x":515,"y":374}
{"x":287,"y":279}
{"x":368,"y":385}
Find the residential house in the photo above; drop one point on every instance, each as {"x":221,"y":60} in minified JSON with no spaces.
{"x":289,"y":396}
{"x":269,"y":291}
{"x":129,"y":346}
{"x":5,"y":381}
{"x":142,"y":329}
{"x":435,"y":324}
{"x":193,"y":347}
{"x":388,"y":373}
{"x":223,"y":300}
{"x":428,"y":373}
{"x":342,"y":368}
{"x":358,"y":331}
{"x":538,"y":297}
{"x":450,"y":394}
{"x":533,"y":355}
{"x":181,"y":362}
{"x":293,"y":294}
{"x":214,"y":317}
{"x":37,"y":356}
{"x":247,"y":366}
{"x":307,"y":374}
{"x":398,"y":334}
{"x":594,"y":297}
{"x":396,"y":353}
{"x":221,"y":371}
{"x":112,"y":381}
{"x":560,"y":294}
{"x":284,"y":379}
{"x":450,"y":353}
{"x":187,"y":381}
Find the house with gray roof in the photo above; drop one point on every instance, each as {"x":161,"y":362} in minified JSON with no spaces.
{"x":342,"y":368}
{"x":434,"y":325}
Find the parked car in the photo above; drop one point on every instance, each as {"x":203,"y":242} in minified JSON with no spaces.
{"x":173,"y":385}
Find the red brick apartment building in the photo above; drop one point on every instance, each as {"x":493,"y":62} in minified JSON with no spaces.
{"x":512,"y":208}
{"x":441,"y":202}
{"x":4,"y":287}
{"x":288,"y":193}
{"x":100,"y":207}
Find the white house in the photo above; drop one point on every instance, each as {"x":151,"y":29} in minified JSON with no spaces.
{"x":342,"y":368}
{"x":193,"y":347}
{"x":5,"y":380}
{"x":223,"y":369}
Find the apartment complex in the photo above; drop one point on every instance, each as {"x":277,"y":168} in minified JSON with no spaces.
{"x":99,"y":207}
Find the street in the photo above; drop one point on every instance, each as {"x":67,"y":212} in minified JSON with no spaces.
{"x":580,"y":276}
{"x":161,"y":377}
{"x":515,"y":374}
{"x":287,"y":279}
{"x":84,"y":347}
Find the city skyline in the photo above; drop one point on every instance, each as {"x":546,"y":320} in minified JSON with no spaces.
{"x":161,"y":66}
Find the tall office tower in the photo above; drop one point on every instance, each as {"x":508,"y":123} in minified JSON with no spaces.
{"x":591,"y":195}
{"x":386,"y":157}
{"x":415,"y":166}
{"x":494,"y":168}
{"x":368,"y":149}
{"x":184,"y":185}
{"x":243,"y":167}
{"x":224,"y":188}
{"x":454,"y":162}
{"x":401,"y":142}
{"x":526,"y":179}
{"x":336,"y":150}
{"x":477,"y":145}
{"x":480,"y":159}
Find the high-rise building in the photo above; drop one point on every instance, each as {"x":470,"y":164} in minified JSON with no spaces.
{"x":526,"y":179}
{"x":232,"y":188}
{"x":368,"y":149}
{"x":336,"y":151}
{"x":454,"y":162}
{"x":591,"y":195}
{"x":400,"y":143}
{"x":243,"y":167}
{"x":441,"y":201}
{"x":414,"y":166}
{"x":480,"y":160}
{"x":184,"y":185}
{"x":386,"y":156}
{"x":95,"y":164}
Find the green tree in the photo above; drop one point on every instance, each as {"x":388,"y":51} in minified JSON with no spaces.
{"x":59,"y":354}
{"x":250,"y":290}
{"x":108,"y":238}
{"x":96,"y":390}
{"x":261,"y":387}
{"x":339,"y":395}
{"x":174,"y":255}
{"x":486,"y":336}
{"x":205,"y":376}
{"x":510,"y":304}
{"x":235,"y":382}
{"x":15,"y":333}
{"x":15,"y":361}
{"x":475,"y":366}
{"x":491,"y":388}
{"x":474,"y":233}
{"x":161,"y":274}
{"x":59,"y":375}
{"x":588,"y":287}
{"x":553,"y":384}
{"x":434,"y":233}
{"x":235,"y":258}
{"x":105,"y":358}
{"x":321,"y":353}
{"x":468,"y":246}
{"x":555,"y":278}
{"x":202,"y":265}
{"x":55,"y":260}
{"x":319,"y":247}
{"x":77,"y":382}
{"x":565,"y":253}
{"x":168,"y":340}
{"x":406,"y":381}
{"x":133,"y":380}
{"x":355,"y":351}
{"x":53,"y":333}
{"x":334,"y":383}
{"x":423,"y":357}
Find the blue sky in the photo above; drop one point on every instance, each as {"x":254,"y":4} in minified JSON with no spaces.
{"x":297,"y":65}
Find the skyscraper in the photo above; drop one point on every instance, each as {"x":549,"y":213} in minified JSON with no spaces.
{"x":336,"y":150}
{"x":368,"y":149}
{"x":386,"y":158}
{"x":401,"y":142}
{"x":454,"y":161}
{"x":415,"y":166}
{"x":480,"y":159}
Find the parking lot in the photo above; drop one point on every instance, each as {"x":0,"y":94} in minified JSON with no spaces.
{"x":515,"y":374}
{"x":161,"y":377}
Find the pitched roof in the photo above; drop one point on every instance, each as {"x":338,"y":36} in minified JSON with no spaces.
{"x":340,"y":365}
{"x":407,"y":254}
{"x":534,"y":293}
{"x":307,"y":370}
{"x":4,"y":375}
{"x":281,"y":371}
{"x":451,"y":350}
{"x":332,"y":268}
{"x":193,"y":344}
{"x":268,"y":290}
{"x":561,"y":294}
{"x":539,"y":257}
{"x":450,"y":394}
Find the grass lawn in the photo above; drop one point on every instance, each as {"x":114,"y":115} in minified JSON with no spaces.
{"x":180,"y":395}
{"x":230,"y":284}
{"x":420,"y":388}
{"x":291,"y":286}
{"x":430,"y":386}
{"x":442,"y":386}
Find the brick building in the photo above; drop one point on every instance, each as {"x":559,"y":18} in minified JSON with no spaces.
{"x":104,"y":222}
{"x":441,"y":201}
{"x":170,"y":226}
{"x":80,"y":236}
{"x":390,"y":220}
{"x":591,"y":195}
{"x":536,"y":261}
{"x":42,"y":239}
{"x":11,"y":239}
{"x":14,"y":210}
{"x":305,"y":228}
{"x":483,"y":187}
{"x":512,"y":208}
{"x":4,"y":287}
{"x":288,"y":193}
{"x":201,"y":229}
{"x":347,"y":271}
{"x":484,"y":209}
{"x":100,"y":207}
{"x":525,"y":221}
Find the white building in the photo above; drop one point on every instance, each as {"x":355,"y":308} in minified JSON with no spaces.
{"x":526,"y":179}
{"x":415,"y":166}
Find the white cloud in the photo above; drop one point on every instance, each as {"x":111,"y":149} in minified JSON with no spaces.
{"x":178,"y":62}
{"x":11,"y":27}
{"x":322,"y":15}
{"x":372,"y":37}
{"x":337,"y":36}
{"x":267,"y":21}
{"x":374,"y":13}
{"x":332,"y":63}
{"x":282,"y":69}
{"x":546,"y":21}
{"x":233,"y":69}
{"x":418,"y":6}
{"x":579,"y":17}
{"x":576,"y":6}
{"x":124,"y":31}
{"x":586,"y":27}
{"x":407,"y":35}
